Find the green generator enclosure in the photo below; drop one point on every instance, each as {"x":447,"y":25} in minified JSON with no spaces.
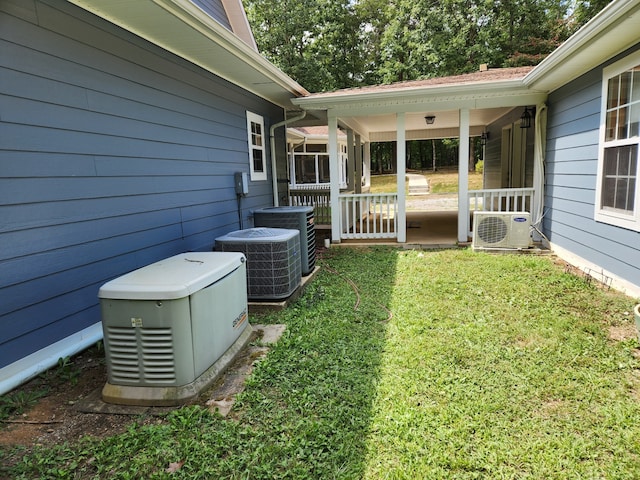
{"x":165,"y":325}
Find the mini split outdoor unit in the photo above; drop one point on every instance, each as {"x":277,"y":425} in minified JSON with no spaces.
{"x":273,"y":260}
{"x":296,"y":218}
{"x":171,"y":328}
{"x":501,"y":230}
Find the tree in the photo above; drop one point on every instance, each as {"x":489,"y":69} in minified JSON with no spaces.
{"x":316,"y":42}
{"x":330,"y":44}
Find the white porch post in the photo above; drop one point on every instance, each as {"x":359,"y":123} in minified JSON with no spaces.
{"x":401,"y":159}
{"x":350,"y":161}
{"x":358,"y":159}
{"x":367,"y":164}
{"x":334,"y":174}
{"x":463,"y":177}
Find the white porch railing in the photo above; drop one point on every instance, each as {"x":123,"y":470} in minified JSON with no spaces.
{"x":368,"y":216}
{"x":501,"y":200}
{"x":319,"y":199}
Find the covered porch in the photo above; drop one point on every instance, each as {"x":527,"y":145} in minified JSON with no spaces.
{"x":491,"y":104}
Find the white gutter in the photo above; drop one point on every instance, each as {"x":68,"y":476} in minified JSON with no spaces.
{"x":473,"y":89}
{"x":272,"y":145}
{"x":29,"y":367}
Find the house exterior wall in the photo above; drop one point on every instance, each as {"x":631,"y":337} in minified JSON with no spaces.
{"x":492,"y":170}
{"x":215,"y":10}
{"x":114,"y":154}
{"x":570,"y":190}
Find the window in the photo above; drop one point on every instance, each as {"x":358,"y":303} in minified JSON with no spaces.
{"x":257,"y":157}
{"x":618,"y":190}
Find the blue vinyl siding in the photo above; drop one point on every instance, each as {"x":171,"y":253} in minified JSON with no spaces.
{"x":571,"y":171}
{"x":215,"y":9}
{"x":114,"y":154}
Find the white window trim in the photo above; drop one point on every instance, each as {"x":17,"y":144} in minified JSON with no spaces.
{"x":613,"y":217}
{"x":256,"y":175}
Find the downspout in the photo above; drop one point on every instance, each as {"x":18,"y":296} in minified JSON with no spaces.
{"x":539,"y":153}
{"x":274,"y":170}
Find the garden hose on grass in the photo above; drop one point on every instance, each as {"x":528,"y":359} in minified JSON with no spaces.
{"x":356,"y":290}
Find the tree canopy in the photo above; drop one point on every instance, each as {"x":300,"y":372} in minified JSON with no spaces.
{"x":331,"y":44}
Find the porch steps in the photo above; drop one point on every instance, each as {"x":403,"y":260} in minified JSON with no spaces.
{"x":418,"y":184}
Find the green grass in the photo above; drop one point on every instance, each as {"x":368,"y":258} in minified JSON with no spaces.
{"x":439,"y":182}
{"x":489,"y":367}
{"x":385,"y":184}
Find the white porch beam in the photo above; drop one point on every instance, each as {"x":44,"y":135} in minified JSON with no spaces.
{"x":347,"y":108}
{"x":334,"y":175}
{"x":463,"y":177}
{"x":401,"y":156}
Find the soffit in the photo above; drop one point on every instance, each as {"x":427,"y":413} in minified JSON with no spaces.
{"x":180,"y":27}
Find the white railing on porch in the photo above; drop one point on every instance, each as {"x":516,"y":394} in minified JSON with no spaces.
{"x":368,"y":216}
{"x":319,"y":199}
{"x":501,"y":200}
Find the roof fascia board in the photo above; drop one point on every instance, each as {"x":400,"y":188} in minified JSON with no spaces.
{"x":203,"y":26}
{"x":239,"y":22}
{"x":574,"y":57}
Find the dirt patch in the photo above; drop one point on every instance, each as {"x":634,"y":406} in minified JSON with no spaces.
{"x":53,"y":418}
{"x":57,"y":399}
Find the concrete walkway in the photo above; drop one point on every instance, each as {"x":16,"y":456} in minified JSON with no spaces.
{"x":424,"y":200}
{"x":418,"y":184}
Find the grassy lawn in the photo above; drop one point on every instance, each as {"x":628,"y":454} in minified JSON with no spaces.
{"x":439,"y":182}
{"x":409,"y":365}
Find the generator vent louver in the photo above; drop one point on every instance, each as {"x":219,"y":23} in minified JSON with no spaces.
{"x":296,"y":218}
{"x":143,"y":355}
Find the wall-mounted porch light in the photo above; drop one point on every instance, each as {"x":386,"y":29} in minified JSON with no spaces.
{"x":483,"y":138}
{"x":430,"y":119}
{"x":525,"y":119}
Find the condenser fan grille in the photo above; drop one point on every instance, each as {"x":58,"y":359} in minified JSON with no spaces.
{"x":492,"y":230}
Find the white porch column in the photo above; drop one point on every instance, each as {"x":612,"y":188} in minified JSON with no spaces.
{"x":401,"y":159}
{"x":350,"y":161}
{"x":463,"y":177}
{"x":334,"y":174}
{"x":358,"y":159}
{"x":367,"y":164}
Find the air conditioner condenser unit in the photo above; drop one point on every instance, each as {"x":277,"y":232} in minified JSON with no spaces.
{"x":501,"y":230}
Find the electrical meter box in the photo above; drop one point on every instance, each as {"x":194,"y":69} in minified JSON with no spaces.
{"x":168,"y":326}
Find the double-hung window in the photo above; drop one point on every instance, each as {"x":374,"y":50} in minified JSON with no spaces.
{"x":257,"y":154}
{"x":618,"y":189}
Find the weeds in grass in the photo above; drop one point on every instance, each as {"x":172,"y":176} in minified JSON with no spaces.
{"x":491,"y":367}
{"x":17,"y":402}
{"x":64,"y":372}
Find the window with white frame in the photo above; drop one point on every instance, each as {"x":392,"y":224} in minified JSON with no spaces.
{"x":618,"y":189}
{"x":257,"y":154}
